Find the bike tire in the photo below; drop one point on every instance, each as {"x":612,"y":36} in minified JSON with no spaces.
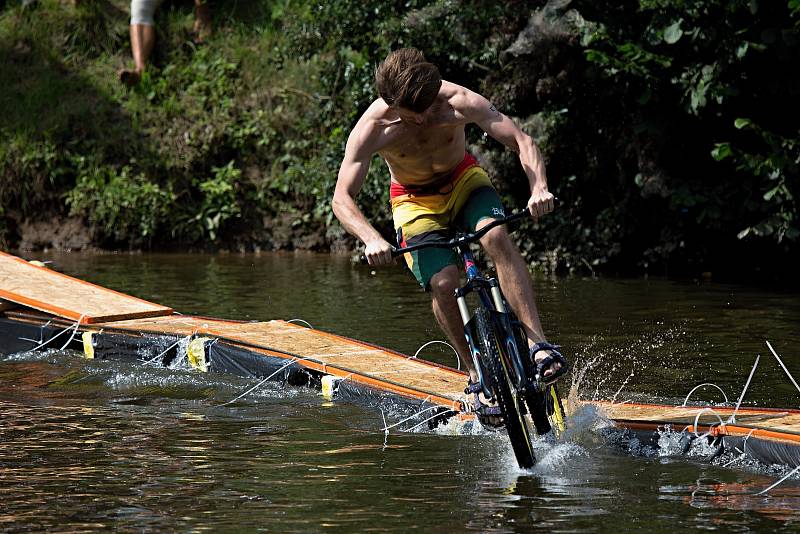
{"x":545,"y":407}
{"x":537,"y":408}
{"x":501,"y":386}
{"x":555,"y":413}
{"x":537,"y":402}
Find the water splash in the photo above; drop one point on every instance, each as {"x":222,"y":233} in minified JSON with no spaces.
{"x":455,"y":426}
{"x":552,"y":455}
{"x":602,"y":372}
{"x":556,"y":456}
{"x":672,"y":443}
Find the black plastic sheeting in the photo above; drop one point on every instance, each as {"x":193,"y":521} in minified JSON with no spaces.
{"x":127,"y":348}
{"x":764,"y":450}
{"x":242,"y":361}
{"x":224,"y":357}
{"x":18,"y":336}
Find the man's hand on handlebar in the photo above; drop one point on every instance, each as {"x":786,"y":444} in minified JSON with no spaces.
{"x":540,"y":203}
{"x":378,"y":252}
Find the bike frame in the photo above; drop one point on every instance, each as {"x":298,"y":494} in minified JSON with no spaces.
{"x":491,"y":298}
{"x":495,"y":337}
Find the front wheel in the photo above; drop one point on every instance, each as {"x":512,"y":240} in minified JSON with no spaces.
{"x":503,"y":388}
{"x":545,"y":406}
{"x":547,"y":411}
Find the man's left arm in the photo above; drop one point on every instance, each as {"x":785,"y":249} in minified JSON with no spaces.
{"x":483,"y":113}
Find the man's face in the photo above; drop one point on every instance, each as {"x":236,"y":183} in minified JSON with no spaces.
{"x":412,"y":117}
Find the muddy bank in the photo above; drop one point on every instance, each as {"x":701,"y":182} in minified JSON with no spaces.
{"x":278,"y":233}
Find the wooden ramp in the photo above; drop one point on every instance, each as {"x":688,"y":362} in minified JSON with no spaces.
{"x":765,"y":423}
{"x":324,"y":352}
{"x":64,"y":296}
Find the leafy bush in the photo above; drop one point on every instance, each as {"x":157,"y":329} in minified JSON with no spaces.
{"x":637,"y":106}
{"x":777,"y":164}
{"x":124,"y":207}
{"x":684,"y":72}
{"x":218,"y":204}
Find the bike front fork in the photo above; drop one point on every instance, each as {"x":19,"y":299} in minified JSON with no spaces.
{"x":494,"y":290}
{"x":466,"y":317}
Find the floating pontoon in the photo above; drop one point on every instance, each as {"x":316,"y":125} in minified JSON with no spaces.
{"x":43,"y":309}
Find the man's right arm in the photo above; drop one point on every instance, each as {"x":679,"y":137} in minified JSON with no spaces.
{"x":352,"y":172}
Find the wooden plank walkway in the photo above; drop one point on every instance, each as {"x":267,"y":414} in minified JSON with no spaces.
{"x":64,"y":296}
{"x":768,"y":423}
{"x":22,"y":283}
{"x":325,"y":352}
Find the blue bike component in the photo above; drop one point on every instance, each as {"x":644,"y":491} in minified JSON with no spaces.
{"x":469,"y":264}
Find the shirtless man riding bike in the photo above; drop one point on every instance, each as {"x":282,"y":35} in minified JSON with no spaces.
{"x":417,"y":127}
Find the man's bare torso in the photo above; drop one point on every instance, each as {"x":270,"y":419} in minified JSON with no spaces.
{"x":418,"y":154}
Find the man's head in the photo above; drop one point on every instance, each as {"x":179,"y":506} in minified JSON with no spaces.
{"x":405,"y":80}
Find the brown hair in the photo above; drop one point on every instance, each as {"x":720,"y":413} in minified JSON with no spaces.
{"x":404,"y":79}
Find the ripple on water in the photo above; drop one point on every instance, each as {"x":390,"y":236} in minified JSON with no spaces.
{"x":101,"y":445}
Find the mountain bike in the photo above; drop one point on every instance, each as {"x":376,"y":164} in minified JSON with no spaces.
{"x":507,"y":373}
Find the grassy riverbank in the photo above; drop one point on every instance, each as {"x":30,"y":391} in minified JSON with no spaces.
{"x":670,"y":128}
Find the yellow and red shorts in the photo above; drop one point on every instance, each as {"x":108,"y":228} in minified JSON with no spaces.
{"x":432,"y":212}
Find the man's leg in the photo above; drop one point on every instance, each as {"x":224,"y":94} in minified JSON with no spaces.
{"x":445,"y":309}
{"x":516,"y":283}
{"x":143,"y":39}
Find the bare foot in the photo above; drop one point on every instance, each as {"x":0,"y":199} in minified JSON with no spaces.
{"x":129,"y":78}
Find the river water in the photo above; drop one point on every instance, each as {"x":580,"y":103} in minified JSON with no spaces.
{"x":93,"y":445}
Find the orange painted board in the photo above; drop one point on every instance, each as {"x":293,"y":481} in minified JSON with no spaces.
{"x":64,"y":296}
{"x":770,"y":423}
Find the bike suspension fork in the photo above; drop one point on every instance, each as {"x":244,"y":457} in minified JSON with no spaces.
{"x":497,"y":296}
{"x":461,"y":299}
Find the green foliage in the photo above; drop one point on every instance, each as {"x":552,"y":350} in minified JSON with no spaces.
{"x":776,"y":164}
{"x":29,"y":171}
{"x":794,"y":7}
{"x":93,"y":29}
{"x":124,"y":207}
{"x":637,"y":107}
{"x":218,"y":204}
{"x":718,"y":61}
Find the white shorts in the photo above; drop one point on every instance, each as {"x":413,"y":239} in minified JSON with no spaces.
{"x":142,"y":11}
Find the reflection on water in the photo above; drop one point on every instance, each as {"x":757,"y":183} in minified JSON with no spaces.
{"x":713,"y":494}
{"x":93,"y":445}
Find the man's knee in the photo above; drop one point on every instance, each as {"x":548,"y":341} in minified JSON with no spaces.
{"x":498,"y":244}
{"x":444,"y":283}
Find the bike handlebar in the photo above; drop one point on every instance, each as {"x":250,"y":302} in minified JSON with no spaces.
{"x":463,"y":239}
